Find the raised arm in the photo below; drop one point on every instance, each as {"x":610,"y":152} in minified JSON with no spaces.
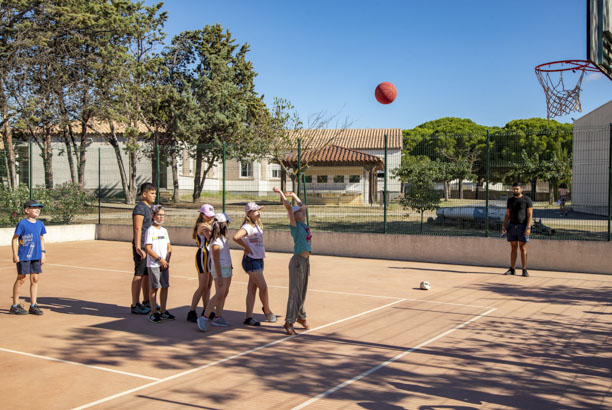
{"x":287,"y":205}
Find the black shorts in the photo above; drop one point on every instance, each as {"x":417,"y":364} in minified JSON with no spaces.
{"x":140,"y":264}
{"x":27,"y":267}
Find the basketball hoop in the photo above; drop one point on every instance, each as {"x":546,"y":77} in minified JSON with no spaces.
{"x":559,"y":99}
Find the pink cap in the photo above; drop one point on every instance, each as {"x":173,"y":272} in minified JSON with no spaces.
{"x":251,"y":206}
{"x":207,"y":210}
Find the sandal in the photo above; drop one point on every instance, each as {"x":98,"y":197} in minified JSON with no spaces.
{"x":304,"y":323}
{"x":289,"y":329}
{"x":251,"y":322}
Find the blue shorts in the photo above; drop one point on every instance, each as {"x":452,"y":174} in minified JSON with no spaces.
{"x":27,"y":267}
{"x":226,"y":271}
{"x":517,"y":233}
{"x":252,"y":265}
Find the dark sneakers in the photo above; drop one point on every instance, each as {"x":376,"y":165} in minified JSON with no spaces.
{"x":18,"y":310}
{"x":192,"y":316}
{"x":147,"y":305}
{"x":168,"y":316}
{"x":35,"y":310}
{"x":525,"y":273}
{"x":156,"y":317}
{"x":510,"y":271}
{"x":139,"y":309}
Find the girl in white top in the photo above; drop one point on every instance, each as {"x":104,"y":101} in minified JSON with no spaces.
{"x":250,"y":237}
{"x":221,"y":270}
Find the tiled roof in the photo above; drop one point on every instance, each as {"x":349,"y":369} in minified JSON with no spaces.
{"x":370,"y":138}
{"x":333,"y":155}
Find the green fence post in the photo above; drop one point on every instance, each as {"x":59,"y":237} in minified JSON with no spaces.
{"x":306,"y":200}
{"x":299,"y":141}
{"x":99,"y":184}
{"x":385,"y":194}
{"x":610,"y":183}
{"x":157,"y":168}
{"x":30,"y":170}
{"x":487,"y":173}
{"x":223,"y":179}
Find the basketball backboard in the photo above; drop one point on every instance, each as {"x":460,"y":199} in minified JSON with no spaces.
{"x":599,"y":34}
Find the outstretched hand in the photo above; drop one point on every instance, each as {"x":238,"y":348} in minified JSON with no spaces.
{"x":276,"y":189}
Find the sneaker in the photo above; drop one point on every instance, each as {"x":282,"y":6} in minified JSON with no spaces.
{"x":220,"y":322}
{"x":18,"y":310}
{"x":35,"y":310}
{"x":156,"y":317}
{"x":525,"y":273}
{"x":147,"y":304}
{"x":510,"y":271}
{"x":251,"y":322}
{"x":270,"y":317}
{"x":192,"y":316}
{"x":139,"y":309}
{"x":211,"y":316}
{"x":168,"y":316}
{"x":203,"y":323}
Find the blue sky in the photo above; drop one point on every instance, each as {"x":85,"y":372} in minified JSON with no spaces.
{"x":470,"y":59}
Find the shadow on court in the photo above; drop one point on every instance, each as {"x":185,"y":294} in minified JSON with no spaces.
{"x":542,"y":293}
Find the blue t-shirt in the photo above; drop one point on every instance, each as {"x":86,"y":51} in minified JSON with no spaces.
{"x":301,"y":238}
{"x":29,"y":239}
{"x":145,"y":210}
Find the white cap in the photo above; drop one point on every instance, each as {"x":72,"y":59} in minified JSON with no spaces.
{"x":251,"y":206}
{"x":222,"y":217}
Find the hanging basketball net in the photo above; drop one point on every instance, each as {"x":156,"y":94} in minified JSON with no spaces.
{"x":562,"y":99}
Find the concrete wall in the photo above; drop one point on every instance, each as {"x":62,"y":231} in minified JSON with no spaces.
{"x":545,"y":255}
{"x":56,"y":233}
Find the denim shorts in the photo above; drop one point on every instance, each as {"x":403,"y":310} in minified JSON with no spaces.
{"x":252,"y":265}
{"x":226,"y":271}
{"x":27,"y":267}
{"x":516,"y":232}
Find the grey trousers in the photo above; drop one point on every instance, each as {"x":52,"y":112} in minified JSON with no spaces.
{"x":299,"y":270}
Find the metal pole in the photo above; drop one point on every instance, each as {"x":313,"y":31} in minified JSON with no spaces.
{"x":306,"y":201}
{"x":299,"y":164}
{"x":30,"y":164}
{"x":223,"y":164}
{"x":610,"y":184}
{"x":99,"y":184}
{"x":488,"y":168}
{"x":157,"y":165}
{"x":385,"y":190}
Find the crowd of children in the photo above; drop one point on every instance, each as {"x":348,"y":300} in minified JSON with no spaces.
{"x":152,"y":250}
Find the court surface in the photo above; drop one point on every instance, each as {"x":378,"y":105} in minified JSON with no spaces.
{"x":476,"y":339}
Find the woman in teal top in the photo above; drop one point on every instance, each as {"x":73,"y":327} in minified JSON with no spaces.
{"x":299,"y":266}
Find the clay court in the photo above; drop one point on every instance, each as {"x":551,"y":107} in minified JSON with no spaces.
{"x":476,"y":339}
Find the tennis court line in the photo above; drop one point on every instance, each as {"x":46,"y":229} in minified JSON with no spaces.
{"x":53,"y":359}
{"x":388,"y":362}
{"x":237,"y":355}
{"x":286,"y":287}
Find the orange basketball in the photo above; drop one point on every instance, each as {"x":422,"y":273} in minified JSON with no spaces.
{"x":385,"y":93}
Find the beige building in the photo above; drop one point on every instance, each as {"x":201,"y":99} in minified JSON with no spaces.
{"x":591,"y":161}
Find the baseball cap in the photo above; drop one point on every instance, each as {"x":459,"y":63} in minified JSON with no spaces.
{"x":222,"y":217}
{"x":31,"y":204}
{"x":251,"y":206}
{"x":207,"y":210}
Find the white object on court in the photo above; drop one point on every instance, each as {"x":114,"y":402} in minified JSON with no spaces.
{"x":425,"y":285}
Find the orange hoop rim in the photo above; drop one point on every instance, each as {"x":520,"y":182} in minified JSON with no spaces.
{"x":572,"y":65}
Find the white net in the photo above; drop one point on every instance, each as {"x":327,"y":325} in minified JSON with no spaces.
{"x":561,"y":99}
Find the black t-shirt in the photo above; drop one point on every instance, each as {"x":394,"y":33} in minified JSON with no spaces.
{"x":143,"y":209}
{"x":518,"y":209}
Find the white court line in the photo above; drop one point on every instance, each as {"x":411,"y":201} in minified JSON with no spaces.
{"x":396,"y":358}
{"x":7,"y":267}
{"x":78,"y":364}
{"x":95,"y":403}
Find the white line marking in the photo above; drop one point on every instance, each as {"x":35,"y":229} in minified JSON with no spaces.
{"x":227,"y":358}
{"x":78,"y":364}
{"x":397,"y":357}
{"x":87,"y":267}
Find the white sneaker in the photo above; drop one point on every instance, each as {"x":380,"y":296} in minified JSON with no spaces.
{"x":219,"y":321}
{"x":203,"y":323}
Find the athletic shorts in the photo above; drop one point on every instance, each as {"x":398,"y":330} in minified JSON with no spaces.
{"x":517,"y":233}
{"x":252,"y":265}
{"x":159,"y":278}
{"x":27,"y":267}
{"x":140,"y":264}
{"x":226,"y":271}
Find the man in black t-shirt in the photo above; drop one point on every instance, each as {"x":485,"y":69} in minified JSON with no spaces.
{"x":141,"y":221}
{"x":517,"y":225}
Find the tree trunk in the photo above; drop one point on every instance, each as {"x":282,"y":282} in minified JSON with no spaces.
{"x":551,"y":193}
{"x":112,"y":140}
{"x":155,"y":160}
{"x":446,"y":190}
{"x":534,"y":184}
{"x":47,"y":157}
{"x":460,"y":188}
{"x":197,"y":177}
{"x":175,"y":178}
{"x":422,"y":221}
{"x":7,"y":139}
{"x":131,"y":199}
{"x":68,"y":144}
{"x":81,"y":151}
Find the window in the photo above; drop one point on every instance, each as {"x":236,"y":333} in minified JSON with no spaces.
{"x":246,"y":169}
{"x":354,"y":179}
{"x":339,"y":179}
{"x":275,"y":171}
{"x":308,"y":179}
{"x":322,"y":179}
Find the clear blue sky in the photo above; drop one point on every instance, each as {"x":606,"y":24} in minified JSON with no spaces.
{"x":448,"y":58}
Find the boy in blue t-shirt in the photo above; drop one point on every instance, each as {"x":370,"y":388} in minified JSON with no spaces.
{"x":29,"y":255}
